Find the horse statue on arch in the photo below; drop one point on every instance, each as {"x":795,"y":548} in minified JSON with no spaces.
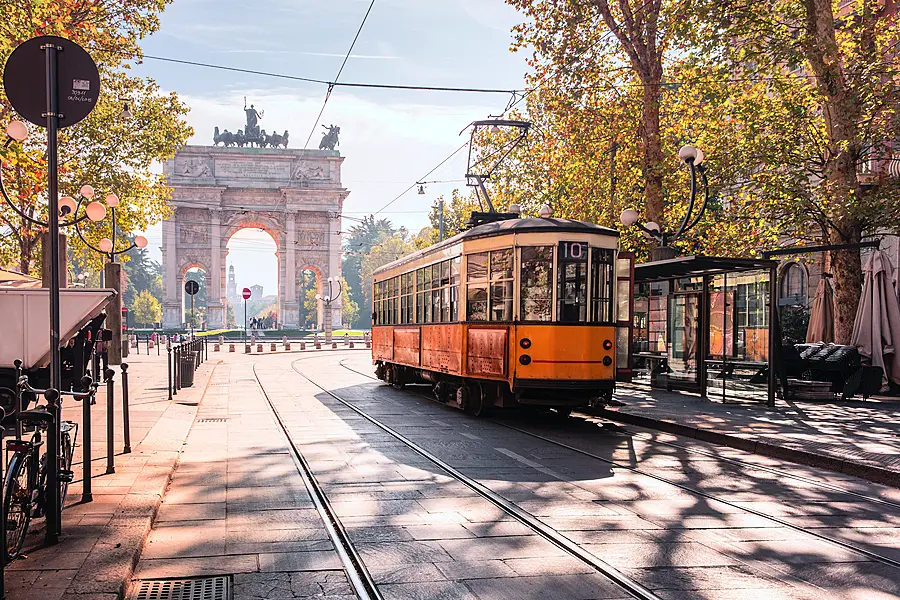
{"x":330,"y":139}
{"x":226,"y":137}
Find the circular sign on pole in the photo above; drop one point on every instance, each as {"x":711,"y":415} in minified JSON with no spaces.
{"x":246,"y":293}
{"x":191,"y":287}
{"x":25,"y":80}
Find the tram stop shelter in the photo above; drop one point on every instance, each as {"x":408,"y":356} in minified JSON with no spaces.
{"x":705,"y":324}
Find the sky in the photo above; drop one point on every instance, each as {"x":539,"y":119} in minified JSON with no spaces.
{"x":390,"y":138}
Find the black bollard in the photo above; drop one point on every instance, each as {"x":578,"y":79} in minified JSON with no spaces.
{"x":177,"y":366}
{"x":110,"y":422}
{"x":126,"y":418}
{"x":169,"y":353}
{"x":86,"y":450}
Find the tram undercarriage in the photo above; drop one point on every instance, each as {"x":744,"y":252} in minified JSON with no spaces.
{"x":477,"y":397}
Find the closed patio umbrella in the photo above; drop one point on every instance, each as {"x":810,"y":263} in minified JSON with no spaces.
{"x":876,"y":329}
{"x":821,"y":319}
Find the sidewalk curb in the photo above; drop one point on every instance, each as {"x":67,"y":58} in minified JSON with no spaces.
{"x":839,"y":465}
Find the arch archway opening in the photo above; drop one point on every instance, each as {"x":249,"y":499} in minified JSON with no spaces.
{"x":252,"y":250}
{"x":194,"y":308}
{"x":309,"y":284}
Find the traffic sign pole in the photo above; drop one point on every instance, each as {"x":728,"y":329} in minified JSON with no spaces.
{"x":245,"y":294}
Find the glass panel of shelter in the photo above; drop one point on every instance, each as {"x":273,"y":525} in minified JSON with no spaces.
{"x":738,"y":353}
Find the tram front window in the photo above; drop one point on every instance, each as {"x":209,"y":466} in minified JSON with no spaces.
{"x":537,"y":283}
{"x":572,"y":292}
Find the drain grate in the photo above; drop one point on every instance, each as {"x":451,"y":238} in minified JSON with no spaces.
{"x":206,"y":588}
{"x":213,"y":420}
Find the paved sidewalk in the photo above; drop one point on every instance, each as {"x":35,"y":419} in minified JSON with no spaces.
{"x":238,"y":505}
{"x":101,"y":539}
{"x":856,"y":438}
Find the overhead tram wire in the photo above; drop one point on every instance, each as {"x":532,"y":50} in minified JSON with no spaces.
{"x":338,"y":76}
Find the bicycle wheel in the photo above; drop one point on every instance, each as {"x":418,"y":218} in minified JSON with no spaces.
{"x":69,"y":430}
{"x":17,"y":503}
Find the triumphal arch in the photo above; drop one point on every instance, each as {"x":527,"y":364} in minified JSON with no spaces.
{"x":296,"y":196}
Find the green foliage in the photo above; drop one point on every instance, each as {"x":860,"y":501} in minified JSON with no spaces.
{"x":111,"y":154}
{"x":389,"y":250}
{"x":456,"y":214}
{"x":349,"y":308}
{"x":142,"y":274}
{"x":146,"y":309}
{"x":230,"y":318}
{"x":360,"y":241}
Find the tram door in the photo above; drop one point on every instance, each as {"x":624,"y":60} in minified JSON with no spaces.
{"x":624,"y":315}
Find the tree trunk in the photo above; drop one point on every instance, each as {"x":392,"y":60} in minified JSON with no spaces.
{"x":653,"y":155}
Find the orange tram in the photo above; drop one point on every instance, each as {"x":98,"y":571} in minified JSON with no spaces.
{"x":510,"y":312}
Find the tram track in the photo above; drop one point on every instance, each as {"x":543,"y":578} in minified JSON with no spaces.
{"x":357,"y":574}
{"x":629,"y":585}
{"x":874,"y":556}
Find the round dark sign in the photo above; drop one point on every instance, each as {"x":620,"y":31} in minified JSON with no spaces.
{"x":191,"y":287}
{"x":77,"y":80}
{"x":246,"y":293}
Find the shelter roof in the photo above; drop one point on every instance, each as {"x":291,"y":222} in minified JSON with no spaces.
{"x":696,"y":266}
{"x":15,"y":279}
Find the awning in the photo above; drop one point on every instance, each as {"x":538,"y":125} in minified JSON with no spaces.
{"x":697,"y":266}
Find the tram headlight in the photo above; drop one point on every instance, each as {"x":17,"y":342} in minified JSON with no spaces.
{"x":607,"y":345}
{"x":525,"y":359}
{"x":607,"y":361}
{"x":525,"y":343}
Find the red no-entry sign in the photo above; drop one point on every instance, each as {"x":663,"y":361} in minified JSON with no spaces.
{"x":246,"y":293}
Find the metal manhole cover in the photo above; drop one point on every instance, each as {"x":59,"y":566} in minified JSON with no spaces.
{"x":205,"y":588}
{"x":213,"y":420}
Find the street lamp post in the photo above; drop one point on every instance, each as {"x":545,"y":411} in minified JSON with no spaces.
{"x":328,"y":299}
{"x":693,"y":158}
{"x":112,"y":270}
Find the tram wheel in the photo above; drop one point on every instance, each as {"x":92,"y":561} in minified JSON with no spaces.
{"x":477,"y":406}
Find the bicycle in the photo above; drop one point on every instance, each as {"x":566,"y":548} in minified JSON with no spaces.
{"x":25,"y":487}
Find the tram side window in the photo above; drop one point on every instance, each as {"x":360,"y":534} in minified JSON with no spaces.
{"x":601,"y":285}
{"x":537,"y":283}
{"x":501,"y":285}
{"x":454,"y":289}
{"x":477,"y":286}
{"x":420,"y":296}
{"x":376,"y":303}
{"x":572,"y":293}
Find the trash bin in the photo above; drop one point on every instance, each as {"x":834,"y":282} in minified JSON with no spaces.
{"x":186,"y":368}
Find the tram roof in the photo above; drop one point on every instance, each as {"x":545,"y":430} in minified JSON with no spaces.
{"x":506,"y":226}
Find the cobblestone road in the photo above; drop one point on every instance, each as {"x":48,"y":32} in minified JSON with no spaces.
{"x":695,"y":521}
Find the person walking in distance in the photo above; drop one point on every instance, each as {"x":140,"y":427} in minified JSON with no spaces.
{"x":102,"y":349}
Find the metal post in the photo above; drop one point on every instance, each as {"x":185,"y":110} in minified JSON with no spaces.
{"x":773,"y":319}
{"x":110,"y":423}
{"x":169,"y":353}
{"x":125,"y":416}
{"x":2,"y":521}
{"x":52,"y":490}
{"x":245,"y":322}
{"x":192,"y":315}
{"x":176,"y":368}
{"x":52,"y":115}
{"x":19,"y":408}
{"x":86,"y":451}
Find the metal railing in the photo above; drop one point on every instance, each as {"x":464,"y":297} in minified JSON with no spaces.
{"x":184,"y":358}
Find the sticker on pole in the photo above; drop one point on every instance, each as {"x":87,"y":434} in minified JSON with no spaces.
{"x":246,"y":293}
{"x":25,"y":80}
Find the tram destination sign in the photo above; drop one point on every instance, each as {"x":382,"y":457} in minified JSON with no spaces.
{"x":573,"y":252}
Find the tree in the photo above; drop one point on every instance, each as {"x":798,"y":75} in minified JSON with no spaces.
{"x":312,"y":306}
{"x":112,"y":154}
{"x":146,"y":309}
{"x":142,"y":274}
{"x":230,"y":318}
{"x":832,"y":70}
{"x":389,"y":250}
{"x":349,"y":308}
{"x":456,"y":214}
{"x":360,"y":241}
